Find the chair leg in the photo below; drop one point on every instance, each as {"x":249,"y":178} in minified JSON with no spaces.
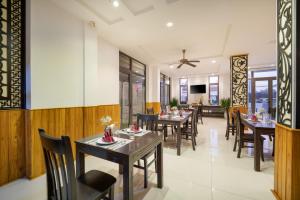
{"x":111,"y":195}
{"x":240,"y":149}
{"x":145,"y":173}
{"x":273,"y":146}
{"x":227,"y":133}
{"x":193,"y":142}
{"x":232,"y":130}
{"x":235,"y":143}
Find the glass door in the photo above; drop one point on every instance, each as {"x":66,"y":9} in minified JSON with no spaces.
{"x":138,"y":95}
{"x":124,"y":99}
{"x":262,"y":96}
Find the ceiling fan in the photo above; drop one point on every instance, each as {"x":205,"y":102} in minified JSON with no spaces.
{"x":186,"y":61}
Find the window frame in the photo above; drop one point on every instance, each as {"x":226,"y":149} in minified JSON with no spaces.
{"x":163,"y":79}
{"x":187,"y":88}
{"x":218,"y":86}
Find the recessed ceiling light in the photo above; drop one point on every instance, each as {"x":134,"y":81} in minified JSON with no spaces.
{"x":169,"y":24}
{"x":213,"y":61}
{"x":116,"y":3}
{"x":171,"y":66}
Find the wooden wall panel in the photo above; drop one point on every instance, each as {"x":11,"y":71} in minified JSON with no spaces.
{"x":92,"y":116}
{"x":12,"y":145}
{"x":74,"y":122}
{"x":154,"y":105}
{"x":56,"y":122}
{"x":287,"y":162}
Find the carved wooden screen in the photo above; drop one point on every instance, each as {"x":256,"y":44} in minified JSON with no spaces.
{"x":239,"y":80}
{"x":12,"y":41}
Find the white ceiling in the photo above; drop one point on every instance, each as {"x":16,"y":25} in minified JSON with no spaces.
{"x":208,"y":29}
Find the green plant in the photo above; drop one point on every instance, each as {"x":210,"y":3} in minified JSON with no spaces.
{"x":225,"y":103}
{"x":174,"y":102}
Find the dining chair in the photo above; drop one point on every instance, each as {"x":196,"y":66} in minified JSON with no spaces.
{"x":230,"y":127}
{"x":189,"y":131}
{"x":61,"y":181}
{"x":200,"y":114}
{"x":150,"y":111}
{"x":242,"y":138}
{"x":149,"y":122}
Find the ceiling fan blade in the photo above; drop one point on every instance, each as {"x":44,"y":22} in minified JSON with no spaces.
{"x":194,"y":61}
{"x":179,"y":65}
{"x":190,"y":64}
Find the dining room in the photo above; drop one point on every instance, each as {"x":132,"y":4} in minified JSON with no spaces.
{"x":148,"y":99}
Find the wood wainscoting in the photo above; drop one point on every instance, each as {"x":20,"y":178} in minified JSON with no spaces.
{"x":154,"y":105}
{"x":92,"y":116}
{"x":287,"y":162}
{"x":12,"y":145}
{"x":74,"y":122}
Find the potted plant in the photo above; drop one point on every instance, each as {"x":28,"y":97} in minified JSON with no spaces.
{"x":225,"y":103}
{"x":173,"y":102}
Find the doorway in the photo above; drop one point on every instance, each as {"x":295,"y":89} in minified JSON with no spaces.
{"x":263,"y":90}
{"x":132,"y":86}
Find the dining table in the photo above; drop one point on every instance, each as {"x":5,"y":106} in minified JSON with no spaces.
{"x":178,"y":121}
{"x":126,"y":151}
{"x":259,"y":128}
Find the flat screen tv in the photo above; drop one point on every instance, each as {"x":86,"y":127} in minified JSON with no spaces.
{"x":198,"y":89}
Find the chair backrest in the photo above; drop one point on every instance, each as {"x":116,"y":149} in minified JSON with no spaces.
{"x":61,"y":181}
{"x":227,"y":116}
{"x":239,"y":128}
{"x":183,"y":106}
{"x":150,"y":111}
{"x":149,"y":121}
{"x":194,"y":120}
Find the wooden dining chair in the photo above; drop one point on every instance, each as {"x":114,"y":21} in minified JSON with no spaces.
{"x":61,"y":181}
{"x":230,"y":127}
{"x":150,"y":111}
{"x":148,"y":122}
{"x":242,"y":138}
{"x":200,"y":114}
{"x":189,"y":131}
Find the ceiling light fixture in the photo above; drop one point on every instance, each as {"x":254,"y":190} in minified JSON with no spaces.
{"x":171,"y":66}
{"x":169,"y":24}
{"x":115,"y":3}
{"x":213,"y":61}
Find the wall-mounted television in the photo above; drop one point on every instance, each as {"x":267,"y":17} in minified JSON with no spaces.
{"x":198,"y":89}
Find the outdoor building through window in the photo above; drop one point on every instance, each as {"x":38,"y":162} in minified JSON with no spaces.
{"x":214,"y":90}
{"x":183,"y":89}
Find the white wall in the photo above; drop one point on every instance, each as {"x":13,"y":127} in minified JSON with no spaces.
{"x":69,"y":64}
{"x":56,"y":57}
{"x":224,"y":87}
{"x":108,"y":73}
{"x":153,"y":84}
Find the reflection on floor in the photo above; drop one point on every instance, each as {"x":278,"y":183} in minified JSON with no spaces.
{"x":212,"y":172}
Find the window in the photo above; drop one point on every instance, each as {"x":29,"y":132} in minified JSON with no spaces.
{"x":183,"y":90}
{"x":214,"y":90}
{"x":165,"y":89}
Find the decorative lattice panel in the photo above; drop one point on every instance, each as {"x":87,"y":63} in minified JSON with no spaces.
{"x":239,"y":80}
{"x":12,"y":45}
{"x":284,"y":114}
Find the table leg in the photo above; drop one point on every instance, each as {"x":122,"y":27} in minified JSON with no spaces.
{"x":178,"y":140}
{"x":80,"y":164}
{"x":257,"y":150}
{"x":127,"y":181}
{"x":160,"y":166}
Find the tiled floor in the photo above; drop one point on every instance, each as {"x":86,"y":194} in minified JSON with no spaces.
{"x":212,"y":172}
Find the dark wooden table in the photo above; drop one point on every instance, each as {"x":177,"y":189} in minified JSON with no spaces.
{"x":170,"y":120}
{"x":125,"y":156}
{"x":259,"y":128}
